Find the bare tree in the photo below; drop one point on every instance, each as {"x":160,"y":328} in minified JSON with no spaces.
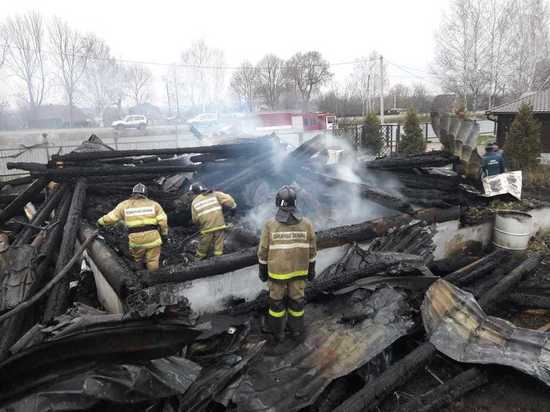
{"x":138,"y":81}
{"x":400,"y":95}
{"x":25,"y":56}
{"x":245,"y":83}
{"x":71,"y":54}
{"x":308,"y":71}
{"x":420,"y":99}
{"x":499,"y":20}
{"x":530,"y":42}
{"x":271,"y":80}
{"x":203,"y":73}
{"x":459,"y":51}
{"x":365,"y":78}
{"x":101,"y":83}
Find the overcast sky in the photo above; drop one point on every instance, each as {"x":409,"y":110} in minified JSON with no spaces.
{"x":342,"y":30}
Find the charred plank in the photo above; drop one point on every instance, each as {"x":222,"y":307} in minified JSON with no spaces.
{"x":444,"y":394}
{"x":58,"y":298}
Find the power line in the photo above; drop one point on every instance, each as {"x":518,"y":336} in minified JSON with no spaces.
{"x":176,"y":65}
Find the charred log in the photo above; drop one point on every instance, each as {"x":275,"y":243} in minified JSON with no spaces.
{"x":498,"y":292}
{"x":14,"y":207}
{"x":529,"y":300}
{"x":41,"y":170}
{"x":229,"y":149}
{"x":59,"y":296}
{"x":444,"y":394}
{"x":451,"y":264}
{"x":12,"y":329}
{"x":393,"y":377}
{"x":429,"y":159}
{"x":121,"y":279}
{"x":478,"y":268}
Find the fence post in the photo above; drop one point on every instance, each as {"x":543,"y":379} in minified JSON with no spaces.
{"x":116,"y":140}
{"x":45,"y":141}
{"x":426,"y":124}
{"x":397,"y":137}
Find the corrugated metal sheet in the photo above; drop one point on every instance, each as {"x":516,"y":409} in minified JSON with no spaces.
{"x":540,"y":102}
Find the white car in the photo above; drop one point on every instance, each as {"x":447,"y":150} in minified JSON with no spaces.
{"x":133,"y":121}
{"x":204,"y":118}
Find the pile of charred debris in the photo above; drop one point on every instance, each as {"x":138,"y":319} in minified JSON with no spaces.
{"x":389,"y":327}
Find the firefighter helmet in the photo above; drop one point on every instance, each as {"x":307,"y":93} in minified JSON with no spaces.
{"x":140,"y":189}
{"x":286,"y":197}
{"x":198,"y":188}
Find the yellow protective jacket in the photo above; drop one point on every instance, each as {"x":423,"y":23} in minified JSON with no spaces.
{"x":139,"y":212}
{"x":207,"y":210}
{"x":286,"y":249}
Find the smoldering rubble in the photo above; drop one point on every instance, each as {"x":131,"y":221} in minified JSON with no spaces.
{"x":82,"y":327}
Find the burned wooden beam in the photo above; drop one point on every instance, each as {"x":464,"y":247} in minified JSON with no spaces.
{"x":43,"y":213}
{"x":12,"y":329}
{"x":530,"y":300}
{"x":496,"y":293}
{"x":235,"y":148}
{"x":17,"y":205}
{"x":121,"y":279}
{"x":325,"y":238}
{"x":58,"y":297}
{"x":444,"y":394}
{"x":428,"y":159}
{"x":478,"y":268}
{"x":42,"y":171}
{"x":396,"y":375}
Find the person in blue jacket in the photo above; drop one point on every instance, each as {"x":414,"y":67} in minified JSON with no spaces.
{"x":492,"y":163}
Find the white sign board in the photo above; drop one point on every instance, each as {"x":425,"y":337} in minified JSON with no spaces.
{"x":509,"y":182}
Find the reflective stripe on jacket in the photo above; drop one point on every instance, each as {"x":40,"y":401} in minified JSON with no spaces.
{"x":139,"y":212}
{"x":287,"y":249}
{"x":207,"y":210}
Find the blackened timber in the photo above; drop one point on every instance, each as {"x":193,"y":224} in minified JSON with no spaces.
{"x":12,"y":329}
{"x":43,"y":213}
{"x":393,"y":377}
{"x":121,"y":279}
{"x":429,"y":159}
{"x":58,"y":297}
{"x":496,"y":293}
{"x":338,"y":236}
{"x":19,"y":203}
{"x":442,"y":395}
{"x":236,"y":148}
{"x":530,"y":300}
{"x":55,"y":173}
{"x":477,"y":268}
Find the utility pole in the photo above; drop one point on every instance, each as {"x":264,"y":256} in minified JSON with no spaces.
{"x":381,"y":89}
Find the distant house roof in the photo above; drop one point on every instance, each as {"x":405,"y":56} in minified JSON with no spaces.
{"x":540,"y":103}
{"x":61,"y":112}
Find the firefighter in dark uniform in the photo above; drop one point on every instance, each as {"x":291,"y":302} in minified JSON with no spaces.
{"x":492,"y":163}
{"x":286,"y":257}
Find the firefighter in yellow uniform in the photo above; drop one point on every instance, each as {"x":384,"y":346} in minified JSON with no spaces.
{"x":146,"y":222}
{"x":207,"y":212}
{"x":286,"y":257}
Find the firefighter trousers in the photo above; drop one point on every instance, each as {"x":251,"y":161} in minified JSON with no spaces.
{"x":207,"y":240}
{"x":286,"y":299}
{"x":150,"y":256}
